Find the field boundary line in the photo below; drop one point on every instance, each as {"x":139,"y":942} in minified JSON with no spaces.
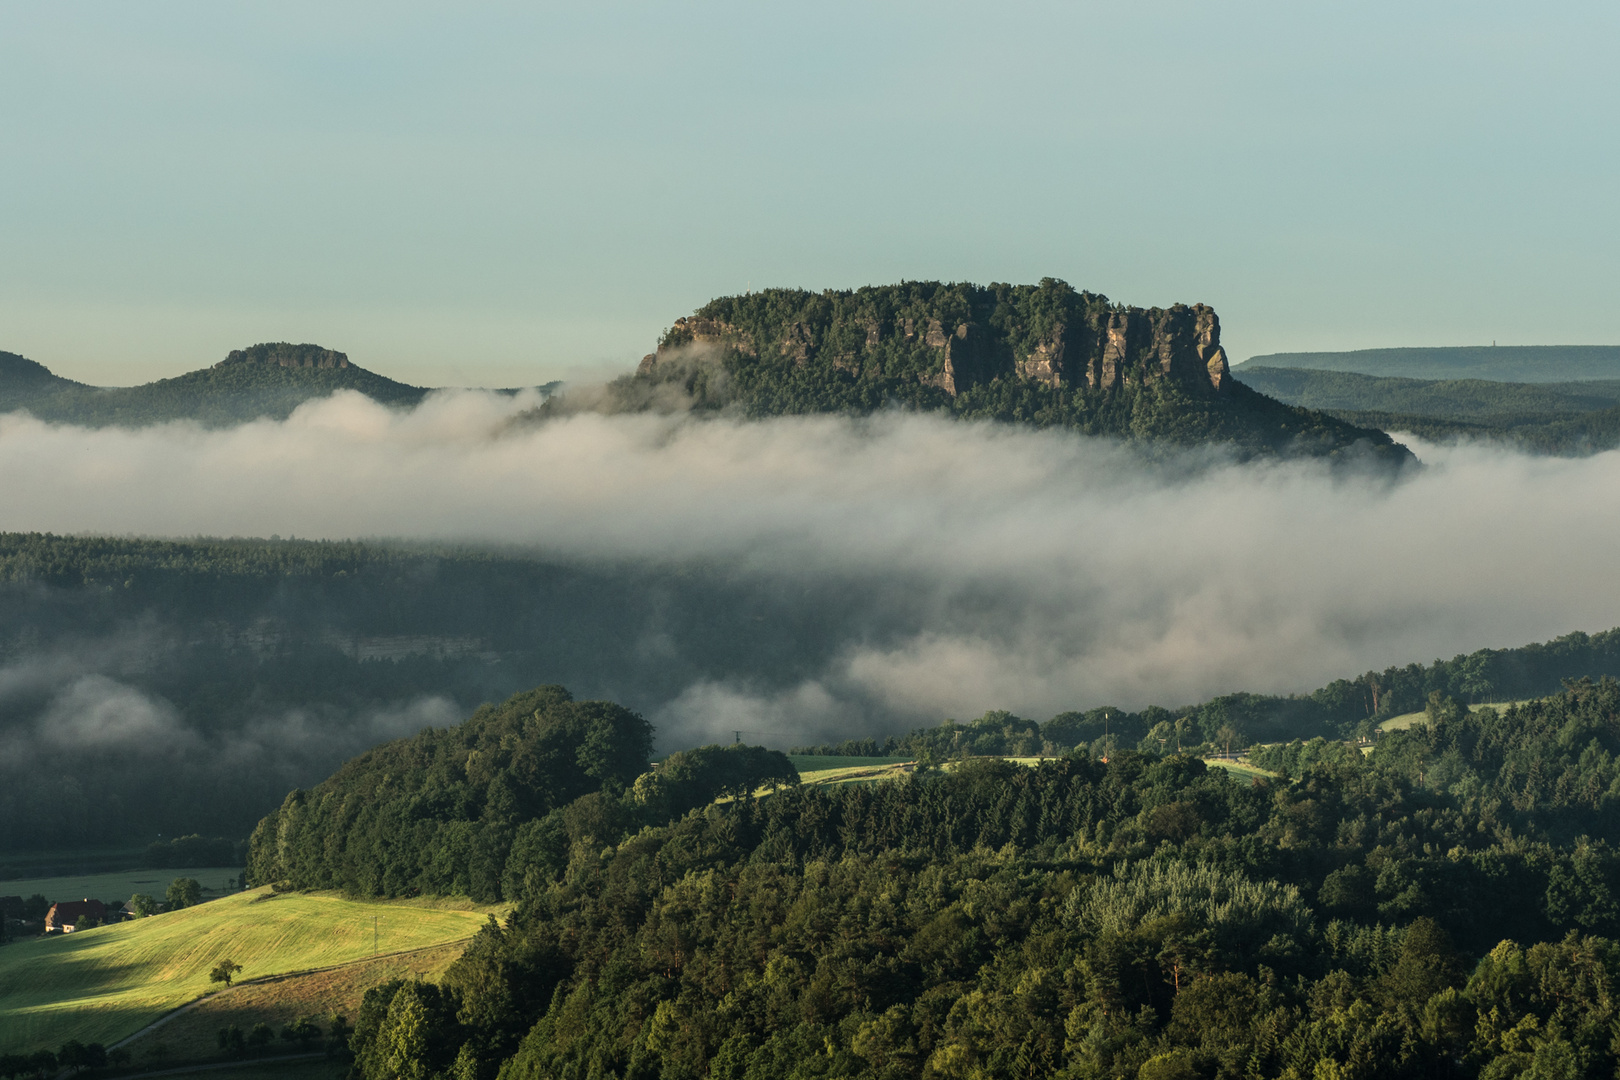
{"x":181,"y":1069}
{"x":278,"y":977}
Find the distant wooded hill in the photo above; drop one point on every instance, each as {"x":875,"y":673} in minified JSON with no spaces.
{"x":1575,"y":417}
{"x":267,"y":380}
{"x":1507,"y":363}
{"x":1046,"y":355}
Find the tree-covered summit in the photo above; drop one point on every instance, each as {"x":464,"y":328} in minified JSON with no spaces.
{"x":1046,"y":354}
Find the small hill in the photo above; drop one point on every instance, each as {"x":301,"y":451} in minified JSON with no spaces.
{"x":268,"y":380}
{"x":471,"y":798}
{"x":23,"y":382}
{"x":1046,"y":355}
{"x":1507,"y":363}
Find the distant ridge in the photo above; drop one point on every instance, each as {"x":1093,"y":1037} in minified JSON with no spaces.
{"x":268,"y":380}
{"x":1504,"y":363}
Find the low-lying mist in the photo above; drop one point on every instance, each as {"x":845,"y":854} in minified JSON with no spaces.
{"x":1032,"y":571}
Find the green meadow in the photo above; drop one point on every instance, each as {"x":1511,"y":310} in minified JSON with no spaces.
{"x":1406,"y":720}
{"x":105,"y":984}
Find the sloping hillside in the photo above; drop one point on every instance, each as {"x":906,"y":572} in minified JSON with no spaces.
{"x":103,"y":984}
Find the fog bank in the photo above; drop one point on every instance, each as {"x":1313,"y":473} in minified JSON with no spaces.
{"x":1045,"y":571}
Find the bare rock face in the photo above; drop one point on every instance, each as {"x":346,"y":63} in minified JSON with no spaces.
{"x":696,"y":330}
{"x":281,"y":354}
{"x":1096,"y":346}
{"x":970,"y":358}
{"x":1048,"y":362}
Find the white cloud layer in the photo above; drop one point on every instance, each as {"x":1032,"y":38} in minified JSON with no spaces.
{"x":1051,"y":571}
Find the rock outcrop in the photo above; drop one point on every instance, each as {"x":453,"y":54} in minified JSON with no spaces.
{"x":282,"y":354}
{"x":1098,"y":346}
{"x":1046,"y":355}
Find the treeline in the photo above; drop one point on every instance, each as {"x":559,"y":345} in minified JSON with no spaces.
{"x":480,"y":808}
{"x":1344,"y":709}
{"x":1150,"y":917}
{"x":195,"y":850}
{"x":288,"y":657}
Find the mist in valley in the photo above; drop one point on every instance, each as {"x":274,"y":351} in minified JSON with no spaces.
{"x":798,"y":579}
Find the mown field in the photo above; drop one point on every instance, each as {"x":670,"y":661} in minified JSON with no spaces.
{"x":105,"y":984}
{"x":193,"y":1034}
{"x":821,"y":762}
{"x":1406,"y":720}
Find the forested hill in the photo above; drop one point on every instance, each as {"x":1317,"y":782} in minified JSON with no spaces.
{"x":268,"y":380}
{"x":488,"y":807}
{"x":23,"y":381}
{"x":1446,"y":907}
{"x":1042,"y":354}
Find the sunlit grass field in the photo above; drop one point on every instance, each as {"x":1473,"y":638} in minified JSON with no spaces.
{"x":1406,"y":720}
{"x":822,"y":762}
{"x":104,"y":984}
{"x":191,"y":1035}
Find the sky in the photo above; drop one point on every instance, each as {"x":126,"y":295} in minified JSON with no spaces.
{"x":504,"y":194}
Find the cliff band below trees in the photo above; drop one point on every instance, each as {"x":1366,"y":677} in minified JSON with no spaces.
{"x":1103,"y":348}
{"x":282,"y":354}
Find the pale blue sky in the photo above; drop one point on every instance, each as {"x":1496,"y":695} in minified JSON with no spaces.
{"x":502,"y":194}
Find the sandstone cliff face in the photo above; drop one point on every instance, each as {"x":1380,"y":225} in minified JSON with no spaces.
{"x":281,"y":354}
{"x":1097,"y":348}
{"x":1133,"y":346}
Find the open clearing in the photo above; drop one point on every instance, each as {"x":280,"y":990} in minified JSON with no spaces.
{"x":104,"y":984}
{"x":822,"y":762}
{"x":1240,"y":768}
{"x":1406,"y":720}
{"x":122,"y":884}
{"x":857,"y":774}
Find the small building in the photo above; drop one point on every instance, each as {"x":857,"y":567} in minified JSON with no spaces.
{"x":68,"y":915}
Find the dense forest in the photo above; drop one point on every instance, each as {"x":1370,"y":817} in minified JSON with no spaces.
{"x":1443,"y":905}
{"x":1565,"y":418}
{"x":268,"y":380}
{"x":1045,"y":354}
{"x":480,"y":808}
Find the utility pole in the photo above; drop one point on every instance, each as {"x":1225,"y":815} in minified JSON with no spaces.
{"x":374,"y":935}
